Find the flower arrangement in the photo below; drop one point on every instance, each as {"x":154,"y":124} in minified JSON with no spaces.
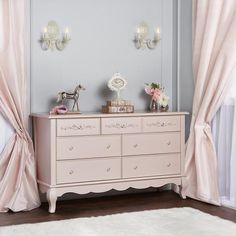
{"x":158,"y":97}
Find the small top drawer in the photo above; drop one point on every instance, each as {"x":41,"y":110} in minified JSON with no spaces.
{"x":121,"y":125}
{"x":72,"y":127}
{"x":161,"y":123}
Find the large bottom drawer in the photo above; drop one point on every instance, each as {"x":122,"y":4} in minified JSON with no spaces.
{"x":88,"y":170}
{"x":143,"y":166}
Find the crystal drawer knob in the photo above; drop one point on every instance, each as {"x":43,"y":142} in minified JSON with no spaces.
{"x":71,"y":148}
{"x":168,"y":143}
{"x":162,"y":124}
{"x":169,"y":165}
{"x":71,"y":172}
{"x":135,"y":145}
{"x":108,"y":169}
{"x":136,"y":167}
{"x":108,"y":146}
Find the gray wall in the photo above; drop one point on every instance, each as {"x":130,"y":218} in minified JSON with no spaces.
{"x":102,"y":35}
{"x":185,"y":59}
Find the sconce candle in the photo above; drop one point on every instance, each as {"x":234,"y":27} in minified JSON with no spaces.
{"x":157,"y":34}
{"x":66,"y":34}
{"x":50,"y":38}
{"x":141,"y":40}
{"x":138,"y":34}
{"x":45,"y":32}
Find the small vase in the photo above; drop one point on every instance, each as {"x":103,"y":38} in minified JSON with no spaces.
{"x":164,"y":109}
{"x":153,"y":107}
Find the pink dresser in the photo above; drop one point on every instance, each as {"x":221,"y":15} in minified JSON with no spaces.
{"x":99,"y":152}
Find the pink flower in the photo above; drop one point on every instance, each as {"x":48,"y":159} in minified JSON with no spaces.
{"x":156,"y":94}
{"x":155,"y":90}
{"x":148,"y":90}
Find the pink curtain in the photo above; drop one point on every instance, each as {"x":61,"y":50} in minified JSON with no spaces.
{"x":214,"y":56}
{"x":18,"y":187}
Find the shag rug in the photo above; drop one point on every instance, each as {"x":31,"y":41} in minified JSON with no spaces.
{"x":164,"y":222}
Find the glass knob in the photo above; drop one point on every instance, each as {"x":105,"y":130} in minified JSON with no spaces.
{"x":71,"y":148}
{"x":71,"y":172}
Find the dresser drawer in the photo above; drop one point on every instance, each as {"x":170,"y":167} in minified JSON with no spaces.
{"x":121,"y":125}
{"x":88,"y":147}
{"x":88,"y":170}
{"x":151,"y":143}
{"x":144,"y":166}
{"x":72,"y":127}
{"x":161,"y":123}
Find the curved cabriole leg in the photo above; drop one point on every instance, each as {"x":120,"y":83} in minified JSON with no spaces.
{"x":52,"y":199}
{"x":182,"y":195}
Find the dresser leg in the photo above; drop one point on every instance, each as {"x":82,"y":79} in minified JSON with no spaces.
{"x":182,"y":195}
{"x":52,"y":199}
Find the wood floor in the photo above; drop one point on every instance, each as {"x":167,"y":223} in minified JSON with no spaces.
{"x":111,"y":205}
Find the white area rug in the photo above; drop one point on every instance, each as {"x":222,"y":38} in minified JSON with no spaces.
{"x":166,"y":222}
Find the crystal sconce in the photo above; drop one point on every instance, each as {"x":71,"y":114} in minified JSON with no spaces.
{"x":51,"y":37}
{"x":141,"y":40}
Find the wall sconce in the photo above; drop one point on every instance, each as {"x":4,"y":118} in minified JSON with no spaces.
{"x":141,"y":40}
{"x":50,"y":37}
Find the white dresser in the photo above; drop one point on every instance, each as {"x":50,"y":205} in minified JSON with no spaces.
{"x":99,"y":152}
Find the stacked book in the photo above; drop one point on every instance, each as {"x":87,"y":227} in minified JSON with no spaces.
{"x":118,"y":106}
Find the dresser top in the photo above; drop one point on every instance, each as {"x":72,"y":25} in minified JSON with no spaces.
{"x":98,"y":114}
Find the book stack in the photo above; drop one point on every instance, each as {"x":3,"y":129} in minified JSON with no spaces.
{"x":118,"y":106}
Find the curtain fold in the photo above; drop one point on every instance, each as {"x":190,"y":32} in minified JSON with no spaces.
{"x":214,"y":57}
{"x":6,"y":133}
{"x":18,"y":186}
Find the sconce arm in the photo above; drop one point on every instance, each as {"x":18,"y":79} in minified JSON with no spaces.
{"x":61,"y":44}
{"x":45,"y":43}
{"x":151,"y":44}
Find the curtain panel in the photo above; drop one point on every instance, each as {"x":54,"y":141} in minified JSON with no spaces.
{"x":224,"y":135}
{"x":18,"y":187}
{"x":214,"y":56}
